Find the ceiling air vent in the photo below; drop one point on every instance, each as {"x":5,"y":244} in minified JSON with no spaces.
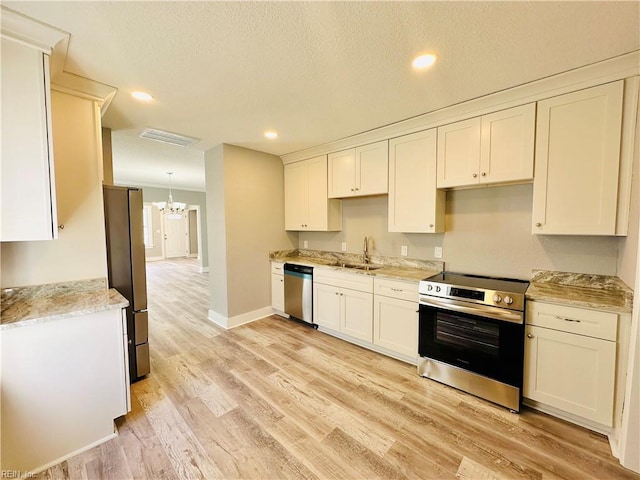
{"x":168,"y":137}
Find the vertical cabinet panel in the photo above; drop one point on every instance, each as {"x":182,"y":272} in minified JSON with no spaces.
{"x":571,"y":372}
{"x":359,"y":171}
{"x":414,"y":203}
{"x":306,"y":206}
{"x":507,"y":145}
{"x":459,"y":153}
{"x":27,"y":193}
{"x":358,"y":312}
{"x":577,"y":162}
{"x":395,"y":325}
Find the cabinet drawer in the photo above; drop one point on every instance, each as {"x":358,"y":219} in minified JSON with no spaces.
{"x":277,"y":268}
{"x":581,"y":321}
{"x":396,"y":289}
{"x":353,"y":281}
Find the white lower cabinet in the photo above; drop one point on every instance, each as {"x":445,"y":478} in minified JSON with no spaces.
{"x":64,"y":382}
{"x":570,"y":361}
{"x":277,"y":286}
{"x":343,"y":302}
{"x":395,"y":317}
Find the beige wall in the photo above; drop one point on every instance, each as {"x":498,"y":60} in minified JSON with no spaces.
{"x":79,"y":252}
{"x":216,"y":226}
{"x":488,"y":231}
{"x":244,"y":226}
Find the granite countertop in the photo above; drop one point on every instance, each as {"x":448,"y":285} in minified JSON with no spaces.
{"x":392,"y":267}
{"x":22,"y":306}
{"x":599,"y":292}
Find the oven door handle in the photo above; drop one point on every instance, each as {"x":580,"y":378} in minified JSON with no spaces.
{"x":479,"y":311}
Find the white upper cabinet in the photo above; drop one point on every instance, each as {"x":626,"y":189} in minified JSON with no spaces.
{"x":494,"y":148}
{"x":414,"y":203}
{"x":577,"y":162}
{"x":359,"y":171}
{"x":27,"y":198}
{"x":306,"y":206}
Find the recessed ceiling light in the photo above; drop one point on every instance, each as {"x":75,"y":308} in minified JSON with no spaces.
{"x":424,"y":61}
{"x":142,"y":96}
{"x":271,"y":134}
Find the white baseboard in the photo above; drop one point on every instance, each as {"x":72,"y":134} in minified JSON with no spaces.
{"x":154,"y":259}
{"x":232,"y":322}
{"x":204,"y":269}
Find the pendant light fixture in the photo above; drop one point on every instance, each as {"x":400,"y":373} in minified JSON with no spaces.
{"x":171,"y":207}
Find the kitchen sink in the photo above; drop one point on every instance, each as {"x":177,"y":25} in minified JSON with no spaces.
{"x":360,"y":266}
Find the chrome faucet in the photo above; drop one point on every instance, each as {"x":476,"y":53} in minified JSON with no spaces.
{"x":365,"y":251}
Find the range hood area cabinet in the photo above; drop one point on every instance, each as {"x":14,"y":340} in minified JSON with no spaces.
{"x":28,"y":203}
{"x":491,"y":149}
{"x":359,"y":171}
{"x":581,"y":164}
{"x":306,"y":204}
{"x":415,"y":205}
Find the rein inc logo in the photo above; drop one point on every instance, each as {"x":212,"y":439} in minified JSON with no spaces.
{"x":16,"y":474}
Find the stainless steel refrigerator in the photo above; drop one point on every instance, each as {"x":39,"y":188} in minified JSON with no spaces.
{"x":126,"y":264}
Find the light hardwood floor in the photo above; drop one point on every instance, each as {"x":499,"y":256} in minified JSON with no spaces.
{"x":275,"y":399}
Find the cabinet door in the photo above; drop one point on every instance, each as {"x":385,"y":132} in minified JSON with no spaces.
{"x":295,"y":196}
{"x":414,"y":203}
{"x":372,"y":168}
{"x":571,"y":372}
{"x":27,"y":192}
{"x":327,"y":306}
{"x":277,"y":292}
{"x":358,"y":314}
{"x":459,"y":153}
{"x":507,"y":145}
{"x":318,"y":211}
{"x":577,"y":159}
{"x":342,"y":174}
{"x":395,"y":325}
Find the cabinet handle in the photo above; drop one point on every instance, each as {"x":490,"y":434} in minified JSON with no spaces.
{"x":357,"y":189}
{"x":529,"y":335}
{"x":475,"y":175}
{"x":352,"y":189}
{"x":567,"y":319}
{"x":396,"y":289}
{"x":61,"y":226}
{"x":281,"y":280}
{"x":484,"y":174}
{"x":538,"y":224}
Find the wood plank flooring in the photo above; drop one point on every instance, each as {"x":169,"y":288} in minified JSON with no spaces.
{"x":277,"y":400}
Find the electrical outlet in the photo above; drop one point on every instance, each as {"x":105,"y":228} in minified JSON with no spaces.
{"x":344,"y":246}
{"x":437,"y":252}
{"x":403,"y":251}
{"x":305,"y":244}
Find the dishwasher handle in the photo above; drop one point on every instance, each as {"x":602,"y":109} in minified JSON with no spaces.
{"x":292,"y":268}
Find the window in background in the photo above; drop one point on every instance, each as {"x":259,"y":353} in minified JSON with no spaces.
{"x":146,"y":226}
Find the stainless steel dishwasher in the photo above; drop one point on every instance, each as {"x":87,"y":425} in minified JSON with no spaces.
{"x":298,"y":292}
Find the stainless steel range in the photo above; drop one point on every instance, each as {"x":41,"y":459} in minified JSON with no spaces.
{"x":471,"y":335}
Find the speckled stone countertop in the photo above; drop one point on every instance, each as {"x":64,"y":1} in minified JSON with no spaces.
{"x":24,"y":306}
{"x":599,"y":292}
{"x":396,"y":268}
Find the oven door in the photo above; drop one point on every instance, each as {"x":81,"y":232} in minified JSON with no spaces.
{"x":488,"y":341}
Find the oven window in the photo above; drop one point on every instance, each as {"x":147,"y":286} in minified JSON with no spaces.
{"x":467,"y":334}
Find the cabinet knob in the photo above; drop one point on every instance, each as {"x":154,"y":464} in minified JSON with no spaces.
{"x":484,"y":174}
{"x":475,"y":175}
{"x":529,"y":335}
{"x":431,"y":225}
{"x":352,"y":189}
{"x":357,"y":189}
{"x":538,"y":224}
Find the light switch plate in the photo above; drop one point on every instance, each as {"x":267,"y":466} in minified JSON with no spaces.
{"x":305,"y":244}
{"x":437,"y":252}
{"x":404,"y":251}
{"x":344,"y":246}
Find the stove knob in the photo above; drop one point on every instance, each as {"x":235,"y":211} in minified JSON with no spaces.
{"x":508,"y":300}
{"x":429,"y":288}
{"x":497,"y":298}
{"x":437,"y":289}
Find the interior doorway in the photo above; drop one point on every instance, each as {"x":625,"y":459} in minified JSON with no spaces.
{"x":176,"y":234}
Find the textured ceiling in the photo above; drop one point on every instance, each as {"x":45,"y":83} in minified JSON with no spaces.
{"x":315,"y":71}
